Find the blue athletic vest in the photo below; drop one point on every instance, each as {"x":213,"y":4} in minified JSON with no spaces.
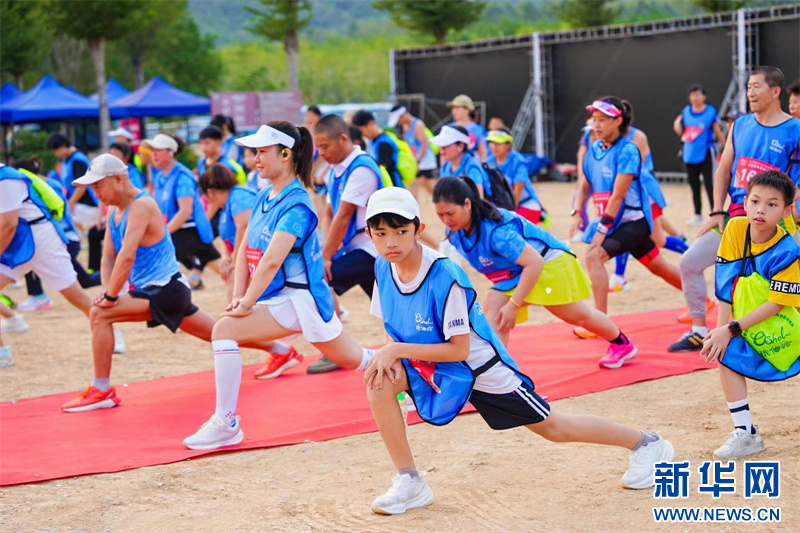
{"x":600,"y":167}
{"x":226,"y":149}
{"x":22,"y":246}
{"x":136,"y":177}
{"x":227,"y":226}
{"x":429,"y":159}
{"x":263,"y":220}
{"x":165,"y":189}
{"x":152,"y":264}
{"x":336,"y":188}
{"x":374,"y":150}
{"x":418,"y":318}
{"x":469,"y":166}
{"x":67,"y":176}
{"x":649,"y":180}
{"x":503,"y":272}
{"x":757,"y":148}
{"x":698,"y":133}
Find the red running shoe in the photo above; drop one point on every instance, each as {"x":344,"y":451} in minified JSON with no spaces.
{"x":278,"y":364}
{"x":92,"y":399}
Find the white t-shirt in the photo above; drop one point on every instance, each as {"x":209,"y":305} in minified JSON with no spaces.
{"x":499,"y":379}
{"x":13,"y":194}
{"x":360,"y":186}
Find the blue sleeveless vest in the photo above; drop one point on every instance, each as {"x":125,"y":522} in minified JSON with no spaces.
{"x":336,"y":188}
{"x":600,"y":167}
{"x":468,"y":166}
{"x":698,"y":135}
{"x":152,"y":264}
{"x":757,"y":148}
{"x":418,"y":318}
{"x":22,"y":246}
{"x":649,"y":180}
{"x":264,"y":218}
{"x":165,"y":189}
{"x":503,"y":272}
{"x":67,"y":176}
{"x":227,"y":227}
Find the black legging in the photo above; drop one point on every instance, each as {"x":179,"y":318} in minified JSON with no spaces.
{"x":34,"y":284}
{"x":693,"y":171}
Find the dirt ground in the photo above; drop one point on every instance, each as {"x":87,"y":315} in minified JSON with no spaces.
{"x":482,"y":480}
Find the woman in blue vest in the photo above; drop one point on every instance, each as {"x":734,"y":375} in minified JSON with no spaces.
{"x":234,"y":203}
{"x":612,"y":170}
{"x":453,"y":143}
{"x":175,"y":190}
{"x":526,"y":265}
{"x":696,"y":126}
{"x":279,"y":281}
{"x":512,"y":165}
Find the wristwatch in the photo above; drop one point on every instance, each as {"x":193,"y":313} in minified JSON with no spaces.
{"x":110,"y":298}
{"x":735,"y":329}
{"x":573,"y":212}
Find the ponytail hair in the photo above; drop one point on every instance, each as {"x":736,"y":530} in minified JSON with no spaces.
{"x":456,"y":190}
{"x":180,"y":141}
{"x":302,"y":151}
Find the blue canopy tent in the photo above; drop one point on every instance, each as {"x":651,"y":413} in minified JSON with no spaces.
{"x":114,"y":91}
{"x":8,"y":92}
{"x":48,"y":100}
{"x":157,"y":98}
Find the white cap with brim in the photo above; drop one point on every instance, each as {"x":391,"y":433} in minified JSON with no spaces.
{"x":121,"y":132}
{"x":266,"y":136}
{"x":162,"y":141}
{"x":102,"y":166}
{"x":449,"y":136}
{"x":396,"y":200}
{"x":394,"y":116}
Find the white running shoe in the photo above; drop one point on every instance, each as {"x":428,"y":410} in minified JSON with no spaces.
{"x":696,"y":220}
{"x":578,"y":237}
{"x":36,"y":303}
{"x":406,"y":493}
{"x":617,"y":284}
{"x":740,"y":443}
{"x":215,"y":434}
{"x":641,"y":472}
{"x":6,"y":359}
{"x":15,"y":324}
{"x":119,"y":342}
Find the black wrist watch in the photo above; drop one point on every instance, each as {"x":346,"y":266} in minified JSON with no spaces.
{"x":110,"y":298}
{"x":735,"y":329}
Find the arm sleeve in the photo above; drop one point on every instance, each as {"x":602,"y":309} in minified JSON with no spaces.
{"x":360,"y":186}
{"x":298,"y":221}
{"x":507,"y":242}
{"x":456,"y":314}
{"x":186,"y":186}
{"x":375,"y":304}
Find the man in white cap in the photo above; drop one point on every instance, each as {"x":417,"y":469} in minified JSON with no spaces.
{"x":138,"y":254}
{"x":416,"y":135}
{"x":463,"y":110}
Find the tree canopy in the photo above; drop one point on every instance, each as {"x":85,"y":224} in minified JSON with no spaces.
{"x":432,"y":18}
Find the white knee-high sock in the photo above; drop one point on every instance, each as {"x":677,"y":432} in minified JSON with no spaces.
{"x":228,"y":375}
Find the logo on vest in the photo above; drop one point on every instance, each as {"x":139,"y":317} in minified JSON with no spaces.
{"x":776,"y":146}
{"x":608,"y":172}
{"x":485,"y":261}
{"x":423,"y":324}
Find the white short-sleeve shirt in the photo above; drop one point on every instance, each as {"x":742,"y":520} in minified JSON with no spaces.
{"x":360,"y":186}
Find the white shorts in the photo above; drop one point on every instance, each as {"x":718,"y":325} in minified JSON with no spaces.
{"x":50,"y":261}
{"x":296,"y":310}
{"x":84,"y":215}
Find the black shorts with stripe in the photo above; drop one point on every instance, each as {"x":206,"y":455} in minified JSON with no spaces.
{"x":520,"y":407}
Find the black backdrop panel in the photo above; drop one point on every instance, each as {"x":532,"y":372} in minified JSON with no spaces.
{"x":652,"y":72}
{"x":779,"y":46}
{"x":500,"y":78}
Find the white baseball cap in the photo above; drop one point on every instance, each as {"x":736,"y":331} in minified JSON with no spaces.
{"x":266,"y":136}
{"x":102,"y":166}
{"x":394,"y":116}
{"x":121,"y":132}
{"x":162,"y":141}
{"x":395,"y":200}
{"x":449,"y":136}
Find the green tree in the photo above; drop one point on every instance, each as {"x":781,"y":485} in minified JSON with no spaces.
{"x":282,"y":20}
{"x":21,"y":44}
{"x":588,"y":13}
{"x":432,"y":18}
{"x":715,"y":6}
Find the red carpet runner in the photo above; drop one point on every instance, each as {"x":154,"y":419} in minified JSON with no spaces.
{"x":38,"y":442}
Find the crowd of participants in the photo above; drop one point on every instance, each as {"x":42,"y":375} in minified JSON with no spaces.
{"x":292,"y":217}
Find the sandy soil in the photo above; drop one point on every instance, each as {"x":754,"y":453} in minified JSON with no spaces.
{"x":483,"y":480}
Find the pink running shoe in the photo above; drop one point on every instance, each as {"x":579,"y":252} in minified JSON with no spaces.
{"x":617,"y":354}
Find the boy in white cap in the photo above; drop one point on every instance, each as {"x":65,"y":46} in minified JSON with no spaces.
{"x":457,"y":358}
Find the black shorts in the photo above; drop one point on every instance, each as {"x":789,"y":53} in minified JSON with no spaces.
{"x":169,"y":303}
{"x":634,"y":238}
{"x":191,"y":251}
{"x":517,"y":408}
{"x":431,"y":174}
{"x":353,"y":268}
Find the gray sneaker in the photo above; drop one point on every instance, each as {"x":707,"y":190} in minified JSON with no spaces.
{"x":740,"y":443}
{"x":322,"y":365}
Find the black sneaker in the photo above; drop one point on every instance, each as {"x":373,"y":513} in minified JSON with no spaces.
{"x":322,"y":365}
{"x":690,"y":342}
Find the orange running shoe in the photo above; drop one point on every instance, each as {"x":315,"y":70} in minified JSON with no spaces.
{"x":686,"y":318}
{"x":584,"y":333}
{"x":92,"y":399}
{"x":278,"y":364}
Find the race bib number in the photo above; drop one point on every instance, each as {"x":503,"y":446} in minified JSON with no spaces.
{"x":500,"y":275}
{"x":690,"y":133}
{"x":426,"y":369}
{"x":600,"y":200}
{"x":253,"y":257}
{"x":747,"y":167}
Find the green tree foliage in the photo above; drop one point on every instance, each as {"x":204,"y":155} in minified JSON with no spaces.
{"x":282,"y":20}
{"x":21,"y":45}
{"x":432,"y":18}
{"x":716,"y":6}
{"x":587,"y":13}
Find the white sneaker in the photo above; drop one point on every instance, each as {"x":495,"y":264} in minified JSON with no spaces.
{"x":36,"y":303}
{"x":406,"y":493}
{"x":5,"y":356}
{"x":215,"y":434}
{"x":578,"y":237}
{"x":119,"y":342}
{"x":641,"y":472}
{"x":15,"y":324}
{"x":740,"y":443}
{"x":696,"y":220}
{"x":617,"y":284}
